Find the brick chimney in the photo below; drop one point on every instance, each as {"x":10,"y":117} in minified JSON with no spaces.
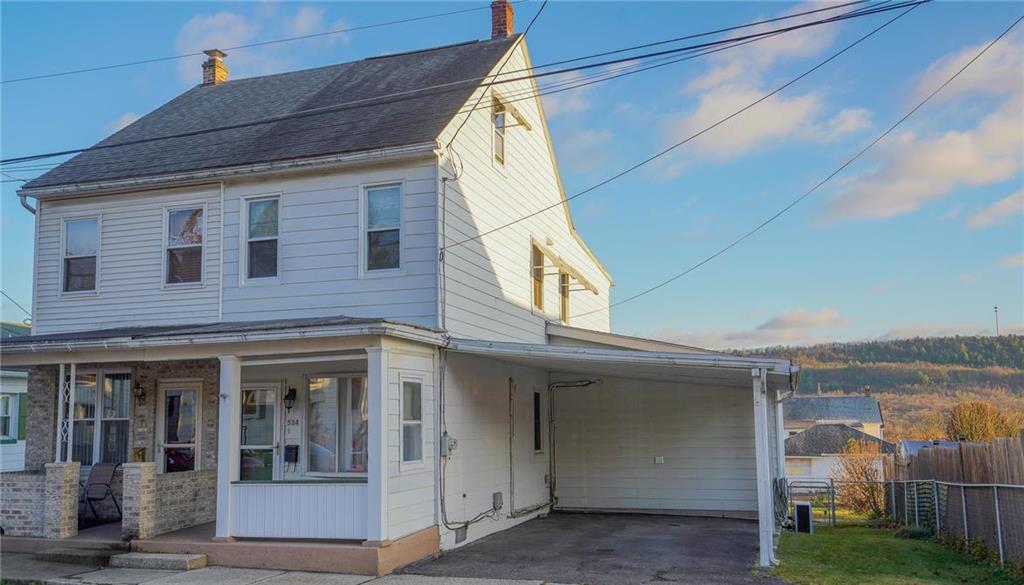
{"x":502,"y":25}
{"x":214,"y":69}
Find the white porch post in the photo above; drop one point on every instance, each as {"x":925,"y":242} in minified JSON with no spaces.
{"x":65,"y":414}
{"x":763,"y":456}
{"x":228,"y":437}
{"x":780,"y":434}
{"x":377,"y":444}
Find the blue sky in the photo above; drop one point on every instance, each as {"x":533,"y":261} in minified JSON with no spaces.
{"x":922,"y":236}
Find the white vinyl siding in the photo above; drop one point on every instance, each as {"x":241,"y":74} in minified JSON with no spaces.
{"x":488,"y":280}
{"x":130,"y":279}
{"x":609,"y":436}
{"x":411,"y":488}
{"x":318,"y":249}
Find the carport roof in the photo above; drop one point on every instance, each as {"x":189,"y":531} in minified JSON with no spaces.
{"x":694,"y":368}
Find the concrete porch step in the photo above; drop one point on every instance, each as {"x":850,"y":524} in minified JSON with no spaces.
{"x":79,"y":555}
{"x":164,"y":561}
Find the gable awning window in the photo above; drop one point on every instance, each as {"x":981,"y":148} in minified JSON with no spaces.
{"x":337,"y":424}
{"x":498,"y":121}
{"x":383,"y":227}
{"x":563,"y":291}
{"x":184,"y":259}
{"x":262,"y":238}
{"x":537,"y":269}
{"x":81,"y":247}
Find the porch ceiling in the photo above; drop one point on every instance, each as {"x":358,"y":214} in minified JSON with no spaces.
{"x":686,"y":368}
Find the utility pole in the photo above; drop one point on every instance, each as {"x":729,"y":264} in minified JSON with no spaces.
{"x":996,"y":308}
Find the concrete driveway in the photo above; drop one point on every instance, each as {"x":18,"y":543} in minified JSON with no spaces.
{"x":610,"y":549}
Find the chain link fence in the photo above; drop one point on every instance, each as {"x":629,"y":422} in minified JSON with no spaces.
{"x":975,"y":517}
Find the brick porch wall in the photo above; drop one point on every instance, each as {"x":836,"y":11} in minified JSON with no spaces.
{"x":22,"y":503}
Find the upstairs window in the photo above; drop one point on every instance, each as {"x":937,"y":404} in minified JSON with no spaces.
{"x":184,"y":258}
{"x":81,"y":243}
{"x":261,"y":238}
{"x":537,"y":268}
{"x":498,"y":112}
{"x":563,"y":290}
{"x":383,"y":227}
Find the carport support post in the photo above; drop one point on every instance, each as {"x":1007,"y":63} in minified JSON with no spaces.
{"x":765,"y":514}
{"x":229,"y":421}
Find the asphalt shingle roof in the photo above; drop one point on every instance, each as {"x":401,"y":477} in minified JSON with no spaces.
{"x":829,"y":439}
{"x":383,"y":122}
{"x":815,"y":408}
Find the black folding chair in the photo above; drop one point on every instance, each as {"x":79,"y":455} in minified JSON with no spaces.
{"x":96,"y":487}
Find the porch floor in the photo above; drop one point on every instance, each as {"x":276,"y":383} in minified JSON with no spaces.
{"x":609,"y":549}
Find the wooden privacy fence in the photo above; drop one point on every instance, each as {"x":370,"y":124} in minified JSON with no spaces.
{"x":973,"y":492}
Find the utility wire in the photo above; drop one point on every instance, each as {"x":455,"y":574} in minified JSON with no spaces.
{"x":628,"y":68}
{"x":411,"y":94}
{"x":16,"y":303}
{"x":249,"y":45}
{"x":705,"y":130}
{"x":817,"y":186}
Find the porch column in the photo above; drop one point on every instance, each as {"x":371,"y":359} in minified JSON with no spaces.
{"x":377,"y":444}
{"x":228,"y":437}
{"x":780,"y":434}
{"x":65,"y":412}
{"x":763,"y":456}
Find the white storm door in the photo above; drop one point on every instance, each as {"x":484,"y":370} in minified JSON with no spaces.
{"x":260,"y":441}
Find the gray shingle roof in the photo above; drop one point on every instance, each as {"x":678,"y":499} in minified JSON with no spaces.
{"x":815,"y":408}
{"x":380,"y":123}
{"x":829,"y":439}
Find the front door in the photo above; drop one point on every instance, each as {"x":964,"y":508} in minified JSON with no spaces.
{"x":260,"y":425}
{"x":178,"y":426}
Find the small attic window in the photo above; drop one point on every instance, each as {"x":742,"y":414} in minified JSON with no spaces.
{"x":498,"y":113}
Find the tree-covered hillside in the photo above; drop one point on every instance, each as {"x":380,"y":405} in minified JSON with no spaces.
{"x":915,"y":380}
{"x":974,"y":351}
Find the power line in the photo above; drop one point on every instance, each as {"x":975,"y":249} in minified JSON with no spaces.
{"x":817,"y":186}
{"x":249,"y":45}
{"x":16,"y":303}
{"x":631,"y":67}
{"x":412,"y":94}
{"x":705,"y":130}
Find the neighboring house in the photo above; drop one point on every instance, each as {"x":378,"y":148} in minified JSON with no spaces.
{"x":813,"y":454}
{"x":861,"y":412}
{"x":909,"y":448}
{"x":328,"y":327}
{"x":12,"y":420}
{"x":9,"y":329}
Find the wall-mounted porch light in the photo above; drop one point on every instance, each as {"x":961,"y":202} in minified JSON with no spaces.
{"x":289,"y":398}
{"x":140,"y":393}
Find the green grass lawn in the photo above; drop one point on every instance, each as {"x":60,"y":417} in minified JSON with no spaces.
{"x":848,"y":555}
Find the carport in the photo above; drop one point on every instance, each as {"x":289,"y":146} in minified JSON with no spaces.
{"x":689,"y":437}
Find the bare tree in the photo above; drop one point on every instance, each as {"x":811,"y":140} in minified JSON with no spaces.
{"x":859,"y":478}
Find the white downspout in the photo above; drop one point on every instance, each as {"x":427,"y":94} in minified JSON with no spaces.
{"x":763,"y":456}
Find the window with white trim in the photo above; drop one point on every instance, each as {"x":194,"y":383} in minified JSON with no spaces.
{"x":383,"y":239}
{"x":563,"y":290}
{"x":261,"y":248}
{"x":537,"y":272}
{"x":412,"y":421}
{"x":6,"y":428}
{"x":336,"y":439}
{"x":81,"y":244}
{"x":100,"y":415}
{"x":498,"y":119}
{"x":184,"y":253}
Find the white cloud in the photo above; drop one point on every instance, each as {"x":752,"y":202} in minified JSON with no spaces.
{"x":569,"y":101}
{"x":795,"y":327}
{"x":997,"y":72}
{"x":122,"y":121}
{"x":1012,"y":261}
{"x":917,"y":170}
{"x":306,"y":21}
{"x":999,"y":212}
{"x":847,"y":121}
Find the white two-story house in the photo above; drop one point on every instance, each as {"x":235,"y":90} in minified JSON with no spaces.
{"x":308,"y":306}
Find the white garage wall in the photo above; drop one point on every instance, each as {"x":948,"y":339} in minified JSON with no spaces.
{"x":607,"y":438}
{"x":477,"y":415}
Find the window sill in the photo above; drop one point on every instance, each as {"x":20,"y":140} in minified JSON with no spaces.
{"x":184,"y":285}
{"x":261,"y":281}
{"x":308,"y":481}
{"x":77,"y":294}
